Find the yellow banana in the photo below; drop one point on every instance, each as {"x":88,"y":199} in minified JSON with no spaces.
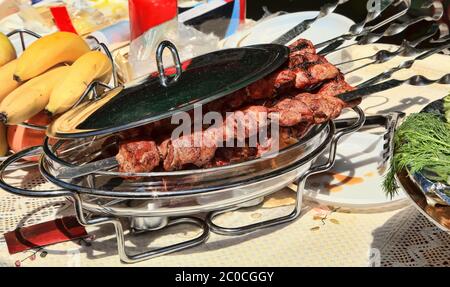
{"x":91,"y":66}
{"x":6,"y":79}
{"x":30,"y":98}
{"x":48,"y":51}
{"x":7,"y":51}
{"x":3,"y":140}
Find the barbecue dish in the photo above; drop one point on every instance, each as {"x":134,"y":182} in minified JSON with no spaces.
{"x":298,"y":95}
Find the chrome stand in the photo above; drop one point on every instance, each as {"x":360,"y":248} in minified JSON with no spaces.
{"x":300,"y":187}
{"x":127,"y":258}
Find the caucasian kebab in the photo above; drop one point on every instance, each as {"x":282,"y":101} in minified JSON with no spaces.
{"x":301,"y":93}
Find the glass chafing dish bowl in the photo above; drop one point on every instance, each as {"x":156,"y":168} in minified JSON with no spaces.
{"x":181,"y":192}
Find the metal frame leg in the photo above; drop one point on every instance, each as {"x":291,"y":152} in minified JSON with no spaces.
{"x":263,"y":224}
{"x":127,"y":258}
{"x":300,"y":187}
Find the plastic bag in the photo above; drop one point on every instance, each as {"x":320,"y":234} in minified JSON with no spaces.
{"x":189,"y":42}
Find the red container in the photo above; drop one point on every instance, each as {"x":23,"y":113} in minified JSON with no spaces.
{"x":146,"y":14}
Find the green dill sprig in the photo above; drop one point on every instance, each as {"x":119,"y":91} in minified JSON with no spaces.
{"x":421,"y":143}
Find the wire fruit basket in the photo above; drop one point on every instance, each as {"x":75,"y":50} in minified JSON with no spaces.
{"x":90,"y":91}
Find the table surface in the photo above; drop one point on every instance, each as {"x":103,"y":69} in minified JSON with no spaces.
{"x":400,"y":237}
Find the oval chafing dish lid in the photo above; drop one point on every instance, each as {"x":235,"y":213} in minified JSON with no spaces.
{"x":204,"y":79}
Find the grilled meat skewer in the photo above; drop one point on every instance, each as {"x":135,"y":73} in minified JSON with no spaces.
{"x":302,"y":62}
{"x":303,"y":70}
{"x":304,"y":109}
{"x":229,"y":155}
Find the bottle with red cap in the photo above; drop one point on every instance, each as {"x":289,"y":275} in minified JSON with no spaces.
{"x":150,"y":14}
{"x":150,"y":21}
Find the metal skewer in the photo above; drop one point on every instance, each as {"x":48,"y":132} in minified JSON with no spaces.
{"x":393,"y":29}
{"x":325,"y":10}
{"x":406,"y":49}
{"x":370,"y":86}
{"x":372,"y":14}
{"x":444,"y":37}
{"x":359,"y":29}
{"x":404,"y":65}
{"x":417,"y":80}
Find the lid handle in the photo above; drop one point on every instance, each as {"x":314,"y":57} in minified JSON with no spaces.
{"x":165,"y":81}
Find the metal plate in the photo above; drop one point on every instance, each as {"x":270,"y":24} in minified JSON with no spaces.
{"x":438,"y":214}
{"x":206,"y":78}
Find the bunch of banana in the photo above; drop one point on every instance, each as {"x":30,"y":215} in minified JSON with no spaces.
{"x":52,"y":74}
{"x":31,"y":97}
{"x":6,"y":79}
{"x":7,"y":83}
{"x":28,"y":81}
{"x":7,"y":51}
{"x":91,"y":66}
{"x":48,"y":51}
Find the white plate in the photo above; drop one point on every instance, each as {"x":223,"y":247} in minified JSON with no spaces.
{"x":355,"y":181}
{"x":265,"y":32}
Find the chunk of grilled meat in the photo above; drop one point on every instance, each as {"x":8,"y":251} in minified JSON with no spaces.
{"x":138,"y":156}
{"x":303,"y":70}
{"x":301,"y":46}
{"x":313,"y":108}
{"x":311,"y":69}
{"x":197,"y":148}
{"x":230,"y":155}
{"x":287,"y":136}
